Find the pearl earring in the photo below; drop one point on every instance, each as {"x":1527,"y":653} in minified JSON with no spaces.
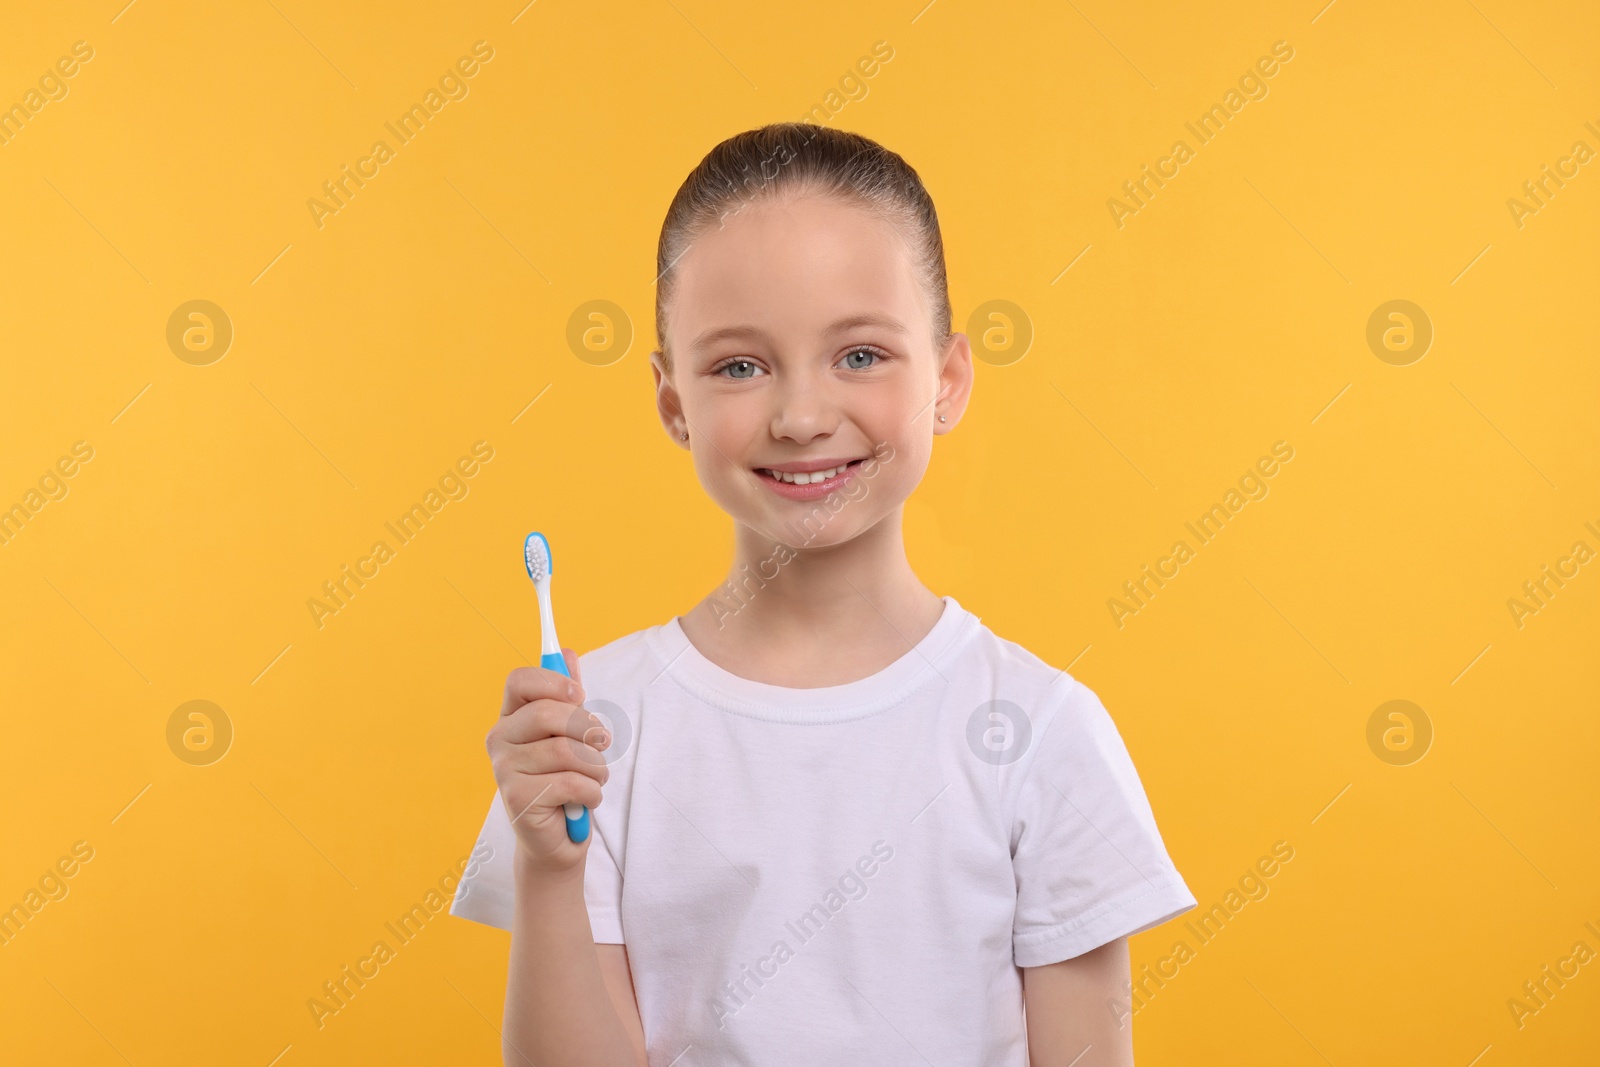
{"x":684,"y":435}
{"x":943,"y":419}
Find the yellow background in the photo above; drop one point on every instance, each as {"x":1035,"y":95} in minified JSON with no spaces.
{"x":426,"y":315}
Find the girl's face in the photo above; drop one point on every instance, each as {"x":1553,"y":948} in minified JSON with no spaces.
{"x":802,"y":341}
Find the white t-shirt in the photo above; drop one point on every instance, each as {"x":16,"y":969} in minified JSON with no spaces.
{"x":855,"y":873}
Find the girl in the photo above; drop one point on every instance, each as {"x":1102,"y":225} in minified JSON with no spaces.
{"x":842,"y":821}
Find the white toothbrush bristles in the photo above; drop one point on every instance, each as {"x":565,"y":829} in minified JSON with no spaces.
{"x":536,"y":554}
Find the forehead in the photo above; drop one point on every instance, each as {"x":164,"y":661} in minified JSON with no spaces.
{"x":792,"y":267}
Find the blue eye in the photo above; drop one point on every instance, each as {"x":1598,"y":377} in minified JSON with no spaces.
{"x":744,"y":369}
{"x":740,"y":363}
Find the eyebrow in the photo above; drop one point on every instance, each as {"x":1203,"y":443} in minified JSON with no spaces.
{"x":731,"y":333}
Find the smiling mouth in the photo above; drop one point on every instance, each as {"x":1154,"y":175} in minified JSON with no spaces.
{"x":808,"y":477}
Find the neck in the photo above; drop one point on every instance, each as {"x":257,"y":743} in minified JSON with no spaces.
{"x":809,"y":617}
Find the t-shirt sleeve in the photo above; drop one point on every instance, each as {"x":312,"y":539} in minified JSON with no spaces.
{"x":487,"y":890}
{"x":602,"y":887}
{"x":1089,"y":861}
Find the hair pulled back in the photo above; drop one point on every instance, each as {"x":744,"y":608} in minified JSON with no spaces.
{"x":796,"y":158}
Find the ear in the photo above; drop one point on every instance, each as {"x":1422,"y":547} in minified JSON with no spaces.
{"x":954,"y":383}
{"x":668,"y":406}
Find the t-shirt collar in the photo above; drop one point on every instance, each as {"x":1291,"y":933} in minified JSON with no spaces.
{"x":930,"y":660}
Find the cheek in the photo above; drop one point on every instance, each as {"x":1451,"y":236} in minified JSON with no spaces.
{"x":717,"y":450}
{"x":722,"y":415}
{"x":899,"y":476}
{"x":720,"y":429}
{"x":890,"y":480}
{"x":716,"y":475}
{"x":904,"y":447}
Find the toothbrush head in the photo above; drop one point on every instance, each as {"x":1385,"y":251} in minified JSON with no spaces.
{"x":536,"y":555}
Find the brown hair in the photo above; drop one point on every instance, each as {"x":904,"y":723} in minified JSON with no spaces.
{"x":800,"y":157}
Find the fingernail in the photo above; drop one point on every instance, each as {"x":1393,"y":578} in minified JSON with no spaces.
{"x":572,"y":690}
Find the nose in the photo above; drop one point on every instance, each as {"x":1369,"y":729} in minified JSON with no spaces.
{"x":803,"y":410}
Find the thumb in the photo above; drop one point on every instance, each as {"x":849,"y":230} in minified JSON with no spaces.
{"x":571,"y":656}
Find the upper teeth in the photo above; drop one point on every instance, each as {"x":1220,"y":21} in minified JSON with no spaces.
{"x":806,"y":479}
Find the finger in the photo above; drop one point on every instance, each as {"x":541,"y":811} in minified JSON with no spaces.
{"x":551,"y":718}
{"x":526,"y":684}
{"x":571,"y":656}
{"x":553,"y":790}
{"x":550,"y":756}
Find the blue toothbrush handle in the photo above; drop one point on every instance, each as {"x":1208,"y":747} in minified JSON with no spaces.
{"x":577,"y":824}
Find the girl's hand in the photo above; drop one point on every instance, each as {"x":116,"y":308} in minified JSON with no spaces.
{"x":545,"y":749}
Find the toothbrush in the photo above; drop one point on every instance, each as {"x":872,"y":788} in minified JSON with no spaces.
{"x":536,"y":554}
